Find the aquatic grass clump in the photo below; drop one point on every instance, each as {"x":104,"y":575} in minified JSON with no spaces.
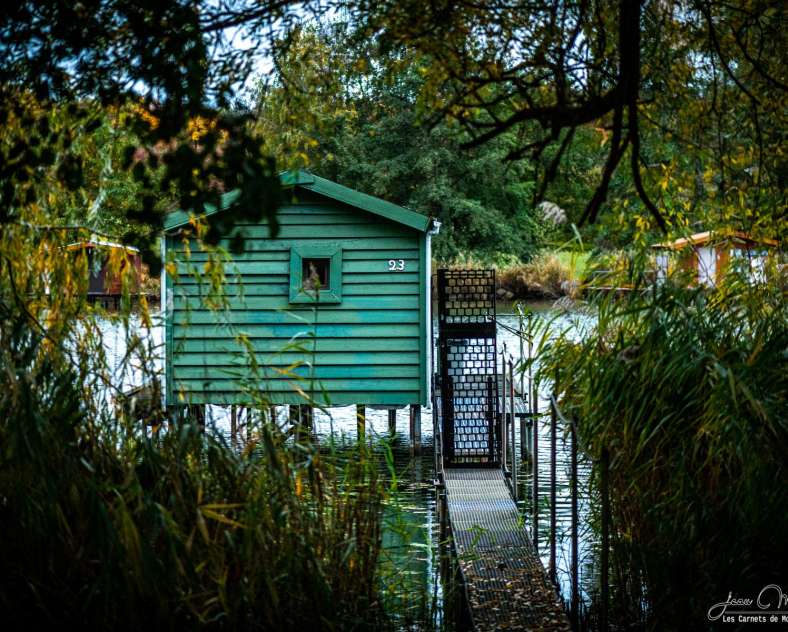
{"x":686,"y":389}
{"x":547,"y":275}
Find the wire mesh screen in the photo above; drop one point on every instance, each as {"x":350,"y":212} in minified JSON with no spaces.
{"x":468,"y":375}
{"x":470,"y":429}
{"x":468,"y":296}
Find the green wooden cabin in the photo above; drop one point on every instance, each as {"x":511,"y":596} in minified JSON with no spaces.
{"x":343,"y":289}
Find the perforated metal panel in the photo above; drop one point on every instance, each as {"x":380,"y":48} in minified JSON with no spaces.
{"x":468,"y":297}
{"x":466,"y":313}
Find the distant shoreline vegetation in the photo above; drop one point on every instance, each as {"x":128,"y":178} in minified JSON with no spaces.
{"x":549,"y":275}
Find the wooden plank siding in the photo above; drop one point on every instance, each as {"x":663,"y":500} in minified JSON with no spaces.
{"x":369,"y":348}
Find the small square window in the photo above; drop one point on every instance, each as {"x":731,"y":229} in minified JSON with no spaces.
{"x":316,"y":273}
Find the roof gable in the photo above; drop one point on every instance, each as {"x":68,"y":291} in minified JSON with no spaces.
{"x":328,"y":189}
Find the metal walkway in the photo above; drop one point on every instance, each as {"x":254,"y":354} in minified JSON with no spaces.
{"x":506,"y":584}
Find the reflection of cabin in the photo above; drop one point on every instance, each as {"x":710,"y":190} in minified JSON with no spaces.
{"x":706,"y":256}
{"x":351,"y":269}
{"x":105,"y":285}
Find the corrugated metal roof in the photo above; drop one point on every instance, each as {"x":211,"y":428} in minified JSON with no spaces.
{"x":328,"y":189}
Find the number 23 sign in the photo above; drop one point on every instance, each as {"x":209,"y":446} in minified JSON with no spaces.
{"x":396,"y":265}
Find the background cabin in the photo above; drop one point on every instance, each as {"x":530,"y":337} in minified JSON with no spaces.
{"x":337,"y":304}
{"x":706,"y":256}
{"x":104,"y":285}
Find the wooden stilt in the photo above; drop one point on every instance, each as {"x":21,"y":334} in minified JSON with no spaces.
{"x":574,"y":610}
{"x":392,"y":421}
{"x":553,"y":479}
{"x":512,"y":420}
{"x":233,"y":426}
{"x":361,"y":421}
{"x":174,"y":416}
{"x":605,"y":553}
{"x":197,"y":416}
{"x":535,"y":476}
{"x":304,"y":427}
{"x":415,"y":428}
{"x":523,"y":440}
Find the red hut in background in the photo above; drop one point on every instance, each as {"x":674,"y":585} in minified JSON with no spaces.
{"x":107,"y":263}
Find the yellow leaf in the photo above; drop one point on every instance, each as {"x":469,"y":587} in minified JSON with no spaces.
{"x":215,"y":515}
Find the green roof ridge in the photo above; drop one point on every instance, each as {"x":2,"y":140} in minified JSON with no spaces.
{"x":326,"y":188}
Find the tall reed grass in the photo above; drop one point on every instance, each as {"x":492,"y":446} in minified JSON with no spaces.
{"x":687,"y":389}
{"x":111,"y":524}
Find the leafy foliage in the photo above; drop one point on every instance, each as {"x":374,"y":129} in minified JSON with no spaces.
{"x":484,"y":207}
{"x":173,"y":59}
{"x":704,"y":76}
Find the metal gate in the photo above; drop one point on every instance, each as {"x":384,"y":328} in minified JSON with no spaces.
{"x":467,"y":367}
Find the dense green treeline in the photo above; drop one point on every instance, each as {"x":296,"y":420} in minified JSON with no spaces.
{"x":335,"y":106}
{"x":353,"y":123}
{"x":355,"y":111}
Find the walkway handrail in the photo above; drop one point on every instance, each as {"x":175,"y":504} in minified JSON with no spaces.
{"x":503,"y":325}
{"x":606,"y":519}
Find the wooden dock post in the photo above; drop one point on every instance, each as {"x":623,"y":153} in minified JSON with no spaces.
{"x":415,"y":428}
{"x":361,"y":421}
{"x":197,"y":416}
{"x":504,"y":412}
{"x":304,"y":428}
{"x":512,"y":419}
{"x":575,"y":612}
{"x":604,"y":489}
{"x":294,"y":418}
{"x":523,"y":439}
{"x":553,"y":467}
{"x":553,"y":478}
{"x":502,"y":416}
{"x":443,"y":518}
{"x":392,"y":421}
{"x":535,"y":461}
{"x":532,"y":394}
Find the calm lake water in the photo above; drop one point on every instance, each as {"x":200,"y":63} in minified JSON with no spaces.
{"x":412,"y":552}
